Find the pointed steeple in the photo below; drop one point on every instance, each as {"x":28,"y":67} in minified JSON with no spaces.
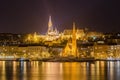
{"x":50,"y":26}
{"x":50,"y":22}
{"x":74,"y":44}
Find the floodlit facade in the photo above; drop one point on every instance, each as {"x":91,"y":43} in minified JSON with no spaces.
{"x":52,"y":34}
{"x":68,"y":34}
{"x":71,"y":47}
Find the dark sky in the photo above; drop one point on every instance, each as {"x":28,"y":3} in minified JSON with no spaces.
{"x":27,"y":16}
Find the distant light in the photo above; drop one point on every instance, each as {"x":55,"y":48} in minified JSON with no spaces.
{"x":19,"y":36}
{"x":94,"y":37}
{"x":118,"y":34}
{"x":100,"y":42}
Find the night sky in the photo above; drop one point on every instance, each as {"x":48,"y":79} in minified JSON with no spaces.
{"x":27,"y":16}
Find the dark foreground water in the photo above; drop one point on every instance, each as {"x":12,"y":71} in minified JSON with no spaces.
{"x":35,"y":70}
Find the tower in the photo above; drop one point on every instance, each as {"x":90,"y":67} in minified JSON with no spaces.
{"x":52,"y":34}
{"x":71,"y":47}
{"x":50,"y":25}
{"x":74,"y":46}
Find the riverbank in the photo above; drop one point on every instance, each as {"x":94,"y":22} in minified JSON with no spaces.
{"x":60,"y":59}
{"x":67,"y":59}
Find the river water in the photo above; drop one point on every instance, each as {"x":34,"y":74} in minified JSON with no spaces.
{"x":35,"y":70}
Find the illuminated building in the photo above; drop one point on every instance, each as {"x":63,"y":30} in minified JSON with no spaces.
{"x":52,"y":34}
{"x":94,"y":34}
{"x":33,"y":38}
{"x":68,"y":34}
{"x":74,"y":46}
{"x":51,"y":31}
{"x":71,"y":47}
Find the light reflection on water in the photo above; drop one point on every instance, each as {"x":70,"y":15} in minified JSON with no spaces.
{"x":35,"y":70}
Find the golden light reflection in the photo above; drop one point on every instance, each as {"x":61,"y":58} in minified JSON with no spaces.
{"x":83,"y":67}
{"x":53,"y":71}
{"x":14,"y":70}
{"x":111,"y":67}
{"x":93,"y":69}
{"x":102,"y":69}
{"x":74,"y":71}
{"x":3,"y":71}
{"x":97,"y":68}
{"x":36,"y":70}
{"x":25,"y":69}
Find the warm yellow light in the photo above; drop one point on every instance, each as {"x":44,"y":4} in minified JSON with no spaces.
{"x":35,"y":38}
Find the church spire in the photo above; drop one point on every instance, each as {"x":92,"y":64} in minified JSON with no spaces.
{"x":50,"y":22}
{"x":74,"y":30}
{"x":74,"y":43}
{"x":50,"y":26}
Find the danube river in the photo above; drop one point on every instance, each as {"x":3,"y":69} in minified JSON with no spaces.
{"x":35,"y":70}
